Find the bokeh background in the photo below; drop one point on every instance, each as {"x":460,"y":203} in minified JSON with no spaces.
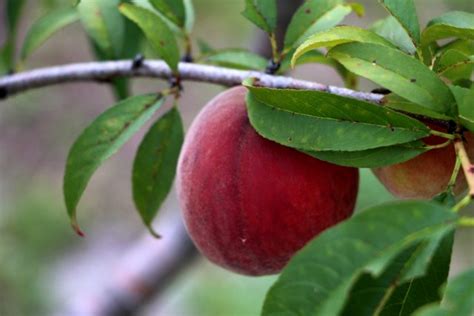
{"x":44,"y":267}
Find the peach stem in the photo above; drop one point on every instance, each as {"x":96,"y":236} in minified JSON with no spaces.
{"x":468,"y":169}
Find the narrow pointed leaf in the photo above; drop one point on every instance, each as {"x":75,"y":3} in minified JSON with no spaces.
{"x":7,"y":51}
{"x":100,"y":140}
{"x":458,"y":298}
{"x":13,"y":12}
{"x":155,"y":164}
{"x":235,"y":58}
{"x":396,"y":102}
{"x":465,"y":100}
{"x":405,"y":12}
{"x":315,"y":121}
{"x":411,"y":280}
{"x":454,"y":64}
{"x":390,"y":29}
{"x":337,"y":36}
{"x":452,"y":24}
{"x":173,"y":10}
{"x":372,"y":158}
{"x":398,"y":72}
{"x":157,"y":31}
{"x":315,"y":56}
{"x":424,"y":287}
{"x":262,"y":13}
{"x":190,"y":15}
{"x":45,"y":27}
{"x":315,"y":16}
{"x":318,"y":278}
{"x":104,"y":25}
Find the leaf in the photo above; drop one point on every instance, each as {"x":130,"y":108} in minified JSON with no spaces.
{"x":315,"y":121}
{"x":315,"y":56}
{"x":13,"y":10}
{"x":45,"y":27}
{"x":262,"y":13}
{"x":172,"y":9}
{"x":204,"y":47}
{"x":398,"y":72}
{"x":157,"y":32}
{"x":100,"y":140}
{"x":423,"y":290}
{"x":337,"y":36}
{"x":235,"y":58}
{"x":390,"y":29}
{"x":452,"y":24}
{"x":154,"y":167}
{"x":465,"y":100}
{"x":104,"y":25}
{"x":405,"y":13}
{"x":392,"y":293}
{"x":455,"y":64}
{"x":189,"y":14}
{"x":318,"y":278}
{"x":458,"y":298}
{"x":315,"y":16}
{"x":396,"y":102}
{"x":7,"y":52}
{"x":372,"y":158}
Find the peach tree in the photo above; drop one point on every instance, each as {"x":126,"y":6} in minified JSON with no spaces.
{"x":414,"y":131}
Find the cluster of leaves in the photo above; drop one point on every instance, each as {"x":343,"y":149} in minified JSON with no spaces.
{"x":390,"y":259}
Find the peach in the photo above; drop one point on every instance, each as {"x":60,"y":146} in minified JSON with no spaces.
{"x":426,"y":175}
{"x":249,"y":203}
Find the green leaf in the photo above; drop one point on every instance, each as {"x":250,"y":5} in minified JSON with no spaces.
{"x":465,"y":100}
{"x":455,"y":64}
{"x":204,"y":47}
{"x":410,"y":281}
{"x":315,"y":56}
{"x":13,"y":10}
{"x":100,"y":140}
{"x":154,"y":167}
{"x":458,"y":298}
{"x":235,"y":58}
{"x":315,"y":121}
{"x":318,"y":278}
{"x":189,"y":13}
{"x":262,"y":13}
{"x":157,"y":32}
{"x":45,"y":27}
{"x":316,"y":16}
{"x":390,"y":29}
{"x":452,"y":24}
{"x":173,"y":10}
{"x":396,"y":102}
{"x":337,"y":36}
{"x":372,"y":158}
{"x":7,"y":52}
{"x":405,"y":12}
{"x":398,"y":72}
{"x":104,"y":25}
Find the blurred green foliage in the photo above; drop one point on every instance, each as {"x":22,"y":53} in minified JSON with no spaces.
{"x":34,"y":232}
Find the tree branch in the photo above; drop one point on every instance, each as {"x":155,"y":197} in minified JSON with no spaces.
{"x":105,"y":71}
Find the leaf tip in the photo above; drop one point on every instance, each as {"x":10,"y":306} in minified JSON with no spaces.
{"x":153,"y":232}
{"x":76,"y":228}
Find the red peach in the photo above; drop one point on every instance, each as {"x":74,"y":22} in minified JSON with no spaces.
{"x":249,"y":203}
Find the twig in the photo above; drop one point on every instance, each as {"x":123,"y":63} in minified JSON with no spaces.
{"x":466,"y":164}
{"x":104,"y":71}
